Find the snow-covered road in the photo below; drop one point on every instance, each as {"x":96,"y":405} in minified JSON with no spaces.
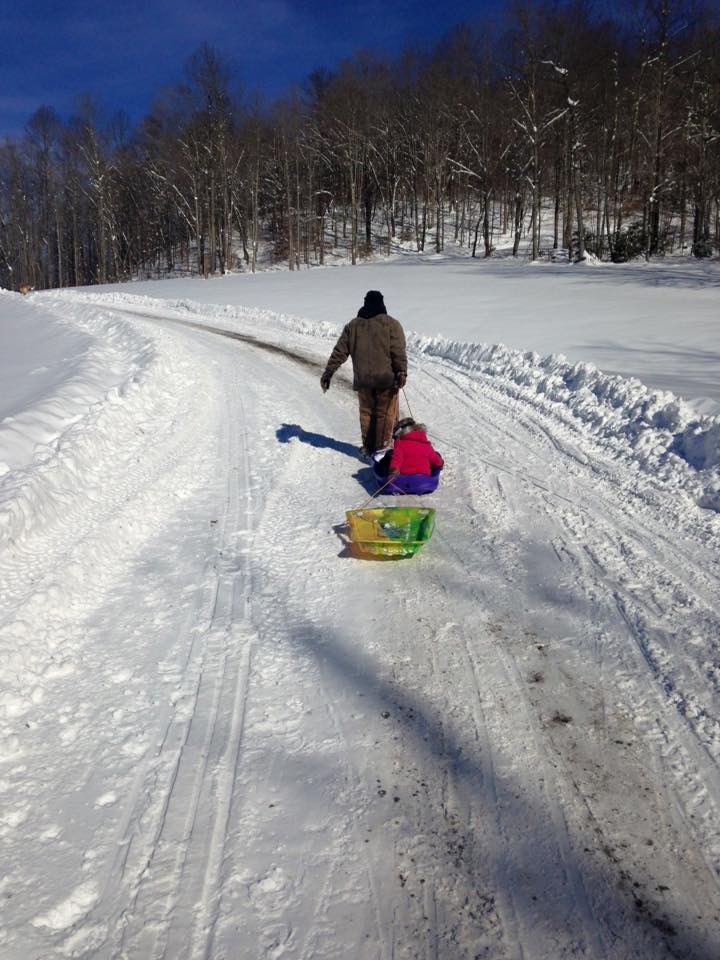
{"x":223,"y":736}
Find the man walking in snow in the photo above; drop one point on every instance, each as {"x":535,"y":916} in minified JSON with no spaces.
{"x":376,"y":343}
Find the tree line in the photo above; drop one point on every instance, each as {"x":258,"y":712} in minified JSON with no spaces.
{"x":574,"y":132}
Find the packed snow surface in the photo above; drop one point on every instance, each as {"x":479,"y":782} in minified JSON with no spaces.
{"x":224,"y":735}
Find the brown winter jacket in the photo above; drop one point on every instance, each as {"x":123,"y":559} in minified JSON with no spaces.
{"x":377,"y":348}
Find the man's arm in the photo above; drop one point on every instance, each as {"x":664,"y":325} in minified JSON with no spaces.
{"x":398,"y":355}
{"x":341,"y":351}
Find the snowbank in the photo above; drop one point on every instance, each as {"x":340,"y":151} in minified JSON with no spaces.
{"x":49,"y":448}
{"x":655,"y":425}
{"x":656,"y":322}
{"x":657,"y":431}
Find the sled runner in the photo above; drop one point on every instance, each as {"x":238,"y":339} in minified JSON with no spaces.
{"x":391,"y":532}
{"x":413,"y":484}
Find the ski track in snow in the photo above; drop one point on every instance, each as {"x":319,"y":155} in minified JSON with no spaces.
{"x":505,"y":748}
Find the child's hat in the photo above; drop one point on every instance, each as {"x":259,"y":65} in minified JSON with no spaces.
{"x":404,"y":426}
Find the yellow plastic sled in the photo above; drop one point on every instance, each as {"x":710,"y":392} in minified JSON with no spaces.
{"x":390,"y":532}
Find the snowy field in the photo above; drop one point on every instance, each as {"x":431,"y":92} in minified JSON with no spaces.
{"x":223,"y":736}
{"x":656,"y":321}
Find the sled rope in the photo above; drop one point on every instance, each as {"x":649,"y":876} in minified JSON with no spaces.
{"x":373,"y":495}
{"x":407,"y":403}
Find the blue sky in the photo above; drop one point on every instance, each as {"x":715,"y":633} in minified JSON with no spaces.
{"x":124,"y":51}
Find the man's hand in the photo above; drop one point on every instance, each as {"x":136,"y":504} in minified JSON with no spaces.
{"x":400,"y":380}
{"x":325,"y":381}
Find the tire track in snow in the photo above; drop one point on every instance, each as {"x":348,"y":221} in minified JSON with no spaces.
{"x":80,"y":563}
{"x":552,"y":514}
{"x":236,"y":607}
{"x":159,"y":900}
{"x":286,"y":505}
{"x":633,"y":524}
{"x":591,"y":475}
{"x":695,"y":768}
{"x":159,"y":939}
{"x":498,"y":679}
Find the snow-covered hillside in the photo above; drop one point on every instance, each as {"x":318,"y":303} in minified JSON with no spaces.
{"x":222,"y":735}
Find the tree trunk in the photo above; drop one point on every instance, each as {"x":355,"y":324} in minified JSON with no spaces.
{"x":518,"y":223}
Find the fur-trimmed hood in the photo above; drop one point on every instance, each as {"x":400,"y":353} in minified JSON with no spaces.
{"x":407,"y":426}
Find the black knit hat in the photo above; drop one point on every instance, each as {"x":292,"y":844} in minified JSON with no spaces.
{"x":374,"y":304}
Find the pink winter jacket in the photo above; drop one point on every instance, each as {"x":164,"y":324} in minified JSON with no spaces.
{"x":413,"y":453}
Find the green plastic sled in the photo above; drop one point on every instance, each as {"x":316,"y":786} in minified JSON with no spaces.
{"x":390,"y":532}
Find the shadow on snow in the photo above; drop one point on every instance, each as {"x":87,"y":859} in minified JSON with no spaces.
{"x":290,"y":431}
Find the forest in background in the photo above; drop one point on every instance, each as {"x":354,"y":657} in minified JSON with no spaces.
{"x":602,"y":133}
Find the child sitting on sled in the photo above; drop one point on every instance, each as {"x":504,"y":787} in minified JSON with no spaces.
{"x":411,"y":453}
